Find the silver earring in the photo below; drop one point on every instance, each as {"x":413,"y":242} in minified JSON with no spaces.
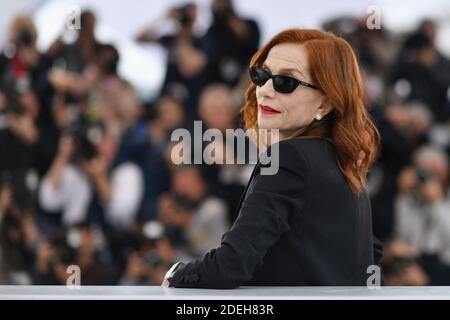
{"x":318,"y":117}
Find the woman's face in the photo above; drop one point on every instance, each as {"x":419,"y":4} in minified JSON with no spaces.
{"x":294,"y":110}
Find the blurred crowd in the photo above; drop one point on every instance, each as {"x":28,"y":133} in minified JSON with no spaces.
{"x":87,"y":178}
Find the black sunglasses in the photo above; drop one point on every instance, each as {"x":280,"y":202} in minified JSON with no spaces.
{"x":282,"y":84}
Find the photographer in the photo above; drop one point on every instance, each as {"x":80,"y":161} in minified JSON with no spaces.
{"x":18,"y":229}
{"x":53,"y":255}
{"x":99,"y":76}
{"x":84,"y":181}
{"x":23,"y":95}
{"x":65,"y":189}
{"x":20,"y":72}
{"x":233,"y":39}
{"x":426,"y":71}
{"x":187,"y":58}
{"x":161,"y":117}
{"x":404,"y":128}
{"x":18,"y":113}
{"x":401,"y":266}
{"x":153,"y":257}
{"x":82,"y":52}
{"x":422,"y":210}
{"x":196,"y":218}
{"x":81,"y":245}
{"x":5,"y":200}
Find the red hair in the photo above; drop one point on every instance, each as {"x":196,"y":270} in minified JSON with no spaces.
{"x":334,"y":68}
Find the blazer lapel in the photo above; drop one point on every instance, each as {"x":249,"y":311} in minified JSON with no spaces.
{"x":241,"y":200}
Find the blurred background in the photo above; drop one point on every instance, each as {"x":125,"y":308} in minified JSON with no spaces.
{"x":86,"y":115}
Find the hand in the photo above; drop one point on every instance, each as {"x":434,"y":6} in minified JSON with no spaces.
{"x":66,"y":147}
{"x":30,"y":56}
{"x":30,"y":103}
{"x":190,"y":60}
{"x":45,"y":253}
{"x":145,"y":36}
{"x":170,"y":273}
{"x":5,"y":196}
{"x":2,"y":101}
{"x":400,"y":248}
{"x":413,"y":275}
{"x":23,"y":127}
{"x":95,"y":168}
{"x":5,"y":200}
{"x":398,"y":116}
{"x":427,"y":57}
{"x":58,"y":79}
{"x":59,"y":110}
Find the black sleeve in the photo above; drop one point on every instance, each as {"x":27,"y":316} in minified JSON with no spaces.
{"x":377,"y":251}
{"x":252,"y":42}
{"x":166,"y":41}
{"x":270,"y":203}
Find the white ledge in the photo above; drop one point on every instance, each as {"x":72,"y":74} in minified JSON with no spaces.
{"x":243,"y":293}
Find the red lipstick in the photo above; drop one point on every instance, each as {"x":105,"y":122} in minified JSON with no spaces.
{"x":268,"y":110}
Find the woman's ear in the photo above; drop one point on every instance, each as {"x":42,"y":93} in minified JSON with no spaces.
{"x":324,"y":108}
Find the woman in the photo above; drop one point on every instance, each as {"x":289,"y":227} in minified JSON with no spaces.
{"x":310,"y":223}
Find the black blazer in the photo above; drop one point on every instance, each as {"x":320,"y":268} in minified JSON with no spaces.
{"x":302,"y":226}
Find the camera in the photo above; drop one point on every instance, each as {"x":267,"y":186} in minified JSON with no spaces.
{"x":15,"y":180}
{"x":399,"y":264}
{"x":12,"y":90}
{"x":183,"y":203}
{"x":24,"y":39}
{"x":62,"y":252}
{"x":423,"y":175}
{"x":153,"y":259}
{"x":14,"y":106}
{"x":223,"y":11}
{"x":85,"y":136}
{"x":184,"y":15}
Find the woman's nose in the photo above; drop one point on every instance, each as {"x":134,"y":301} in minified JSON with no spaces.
{"x":267,"y":89}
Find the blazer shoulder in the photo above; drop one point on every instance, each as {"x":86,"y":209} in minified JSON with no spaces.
{"x":285,"y":154}
{"x":309,"y":142}
{"x":313,"y":148}
{"x":298,"y":147}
